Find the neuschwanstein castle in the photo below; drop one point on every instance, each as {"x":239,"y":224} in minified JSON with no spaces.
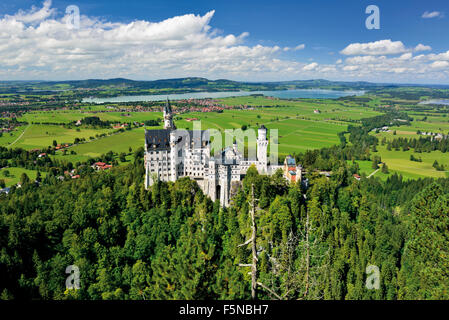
{"x":171,"y":154}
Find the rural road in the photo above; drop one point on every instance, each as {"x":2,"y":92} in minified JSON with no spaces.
{"x":18,"y":138}
{"x":373,"y":173}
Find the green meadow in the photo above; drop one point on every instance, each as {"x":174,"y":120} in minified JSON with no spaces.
{"x":36,"y":136}
{"x":9,"y":138}
{"x":299,"y":129}
{"x":305,"y":107}
{"x":67,"y":116}
{"x":120,"y":142}
{"x":295,"y":134}
{"x":15,"y":174}
{"x":399,"y":161}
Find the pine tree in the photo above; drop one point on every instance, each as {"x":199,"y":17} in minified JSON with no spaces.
{"x":425,"y":263}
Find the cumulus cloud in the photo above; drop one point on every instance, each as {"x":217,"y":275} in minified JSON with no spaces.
{"x":37,"y":44}
{"x":34,"y":14}
{"x":350,"y":68}
{"x":403,"y":66}
{"x":310,"y":66}
{"x":406,"y":56}
{"x":380,"y":47}
{"x":432,"y":14}
{"x":421,"y":47}
{"x":298,"y":47}
{"x":440,"y":65}
{"x":440,"y":56}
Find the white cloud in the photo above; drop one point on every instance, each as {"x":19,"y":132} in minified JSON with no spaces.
{"x":37,"y":44}
{"x":34,"y":15}
{"x":310,"y":66}
{"x":380,"y":47}
{"x":421,"y":47}
{"x":297,"y":48}
{"x":432,"y":14}
{"x":399,"y":70}
{"x":441,"y":56}
{"x":405,"y":56}
{"x":439,"y":65}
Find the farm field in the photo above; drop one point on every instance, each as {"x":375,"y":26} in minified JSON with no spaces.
{"x":399,"y":161}
{"x":435,"y":124}
{"x":328,"y":108}
{"x":120,"y":142}
{"x":295,"y":135}
{"x":426,"y":126}
{"x":9,"y":138}
{"x":365,"y":167}
{"x":15,"y":174}
{"x":41,"y":136}
{"x":67,"y":116}
{"x":299,"y":127}
{"x":310,"y":134}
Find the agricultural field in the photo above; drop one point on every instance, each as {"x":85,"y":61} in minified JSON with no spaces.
{"x":299,"y":128}
{"x":14,"y":174}
{"x":36,"y":136}
{"x":399,"y":161}
{"x":67,"y":116}
{"x":295,"y":134}
{"x":120,"y":142}
{"x":8,"y":139}
{"x":329,"y":109}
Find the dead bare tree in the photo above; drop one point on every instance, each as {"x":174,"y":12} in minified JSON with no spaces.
{"x":299,"y":279}
{"x":252,"y":240}
{"x":298,"y":264}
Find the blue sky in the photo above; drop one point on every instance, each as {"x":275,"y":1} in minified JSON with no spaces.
{"x":240,"y":40}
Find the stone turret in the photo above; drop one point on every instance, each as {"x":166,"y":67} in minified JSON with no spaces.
{"x":173,"y":156}
{"x":262,"y":150}
{"x":168,"y":116}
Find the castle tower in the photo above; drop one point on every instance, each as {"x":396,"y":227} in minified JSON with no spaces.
{"x":147,"y":172}
{"x":262,"y":150}
{"x":298,"y":173}
{"x":173,"y":156}
{"x":168,"y":116}
{"x":148,"y":181}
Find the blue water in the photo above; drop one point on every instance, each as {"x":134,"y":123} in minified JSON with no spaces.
{"x":441,"y":102}
{"x":283,"y":94}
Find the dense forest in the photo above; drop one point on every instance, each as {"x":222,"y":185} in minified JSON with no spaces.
{"x":172,"y":242}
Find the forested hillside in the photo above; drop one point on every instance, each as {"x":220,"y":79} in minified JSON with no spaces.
{"x":172,"y":242}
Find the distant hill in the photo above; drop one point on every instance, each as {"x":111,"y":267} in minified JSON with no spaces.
{"x":190,"y":82}
{"x":110,"y":87}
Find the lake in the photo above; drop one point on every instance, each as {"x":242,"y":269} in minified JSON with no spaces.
{"x":441,"y":102}
{"x":283,"y":94}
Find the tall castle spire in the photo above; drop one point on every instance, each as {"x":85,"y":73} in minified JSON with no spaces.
{"x":168,"y":116}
